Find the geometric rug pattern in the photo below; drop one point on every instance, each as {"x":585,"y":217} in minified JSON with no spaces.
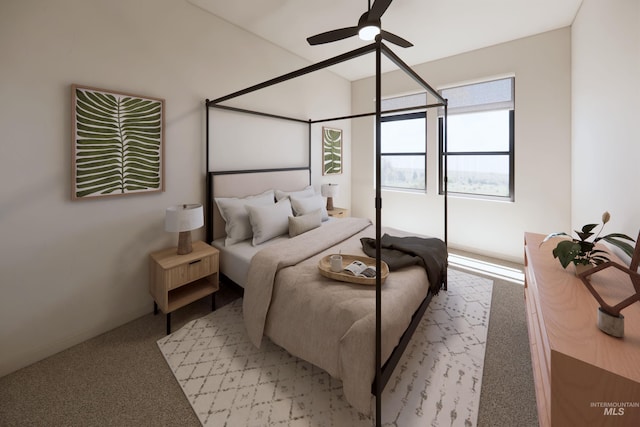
{"x":230,"y":382}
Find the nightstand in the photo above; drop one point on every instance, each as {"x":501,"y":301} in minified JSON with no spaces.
{"x":177,"y":280}
{"x":338,"y":212}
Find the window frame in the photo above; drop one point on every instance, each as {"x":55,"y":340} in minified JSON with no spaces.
{"x":510,"y":153}
{"x":408,"y":116}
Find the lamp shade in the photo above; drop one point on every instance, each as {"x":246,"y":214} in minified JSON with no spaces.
{"x":329,"y":190}
{"x":184,"y":218}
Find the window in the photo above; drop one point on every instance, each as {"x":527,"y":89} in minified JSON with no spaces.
{"x":480,"y":140}
{"x":404,"y":144}
{"x":403,"y":155}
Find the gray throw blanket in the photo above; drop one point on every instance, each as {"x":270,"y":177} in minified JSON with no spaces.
{"x":398,"y":252}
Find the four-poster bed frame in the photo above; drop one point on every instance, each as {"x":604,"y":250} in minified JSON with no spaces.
{"x":383,"y":373}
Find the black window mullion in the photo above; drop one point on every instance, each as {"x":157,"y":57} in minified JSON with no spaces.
{"x":512,"y":155}
{"x":408,"y":116}
{"x":479,"y":153}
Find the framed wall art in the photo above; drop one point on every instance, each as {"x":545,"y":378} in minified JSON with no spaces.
{"x":117,"y":143}
{"x":331,"y":151}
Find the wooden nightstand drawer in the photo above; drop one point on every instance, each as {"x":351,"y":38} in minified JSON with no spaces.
{"x":193,"y":270}
{"x":177,"y":280}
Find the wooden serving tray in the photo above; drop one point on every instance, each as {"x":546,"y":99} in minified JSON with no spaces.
{"x":325,"y":269}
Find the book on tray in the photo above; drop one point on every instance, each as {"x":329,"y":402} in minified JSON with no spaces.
{"x":360,"y":269}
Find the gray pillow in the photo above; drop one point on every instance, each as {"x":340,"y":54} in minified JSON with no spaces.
{"x":305,"y":205}
{"x":269,"y":221}
{"x":234,"y":212}
{"x":306,"y":192}
{"x":303,"y":223}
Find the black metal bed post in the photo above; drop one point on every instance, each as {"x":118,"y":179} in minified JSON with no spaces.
{"x":378,"y":204}
{"x":443,"y":102}
{"x":208,"y":216}
{"x":445,"y":171}
{"x":309,"y":148}
{"x":444,"y":187}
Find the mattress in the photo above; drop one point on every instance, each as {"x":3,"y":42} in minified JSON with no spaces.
{"x":235,"y":259}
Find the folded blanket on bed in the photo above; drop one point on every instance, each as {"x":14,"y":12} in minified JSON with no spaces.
{"x":398,"y":252}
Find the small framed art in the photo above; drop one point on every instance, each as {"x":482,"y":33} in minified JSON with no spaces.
{"x":331,"y":151}
{"x":117,"y":143}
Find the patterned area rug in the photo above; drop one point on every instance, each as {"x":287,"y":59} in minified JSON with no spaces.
{"x":229,"y":382}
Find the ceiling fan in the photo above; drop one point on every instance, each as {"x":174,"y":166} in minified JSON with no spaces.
{"x":368,"y":28}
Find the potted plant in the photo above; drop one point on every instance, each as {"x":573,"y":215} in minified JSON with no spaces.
{"x":583,"y":252}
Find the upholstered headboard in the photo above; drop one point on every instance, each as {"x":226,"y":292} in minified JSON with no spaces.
{"x":247,"y":183}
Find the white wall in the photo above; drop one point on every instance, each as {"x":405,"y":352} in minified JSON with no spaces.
{"x":542,"y":68}
{"x":72,"y":270}
{"x":606,"y":134}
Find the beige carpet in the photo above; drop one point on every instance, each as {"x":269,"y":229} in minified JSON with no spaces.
{"x":229,"y":382}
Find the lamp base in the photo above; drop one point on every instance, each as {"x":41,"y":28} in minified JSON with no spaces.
{"x":184,"y":243}
{"x":329,"y":203}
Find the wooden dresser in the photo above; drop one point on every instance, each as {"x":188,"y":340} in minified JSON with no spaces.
{"x":583,"y":377}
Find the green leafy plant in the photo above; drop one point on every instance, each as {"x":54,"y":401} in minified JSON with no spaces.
{"x":582,"y":251}
{"x":332,"y":151}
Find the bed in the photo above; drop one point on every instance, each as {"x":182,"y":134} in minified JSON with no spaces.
{"x":329,"y":323}
{"x":355,"y":333}
{"x":326,"y":322}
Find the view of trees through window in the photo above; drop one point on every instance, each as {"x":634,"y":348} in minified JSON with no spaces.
{"x":464,"y":179}
{"x":403,"y":172}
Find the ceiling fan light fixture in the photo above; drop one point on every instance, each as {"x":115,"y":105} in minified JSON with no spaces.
{"x":369,"y":27}
{"x":368,"y":32}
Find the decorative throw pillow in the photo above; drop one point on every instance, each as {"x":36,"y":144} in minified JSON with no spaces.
{"x":305,"y":205}
{"x":234,"y":212}
{"x":269,"y":221}
{"x":302,"y":224}
{"x":306,"y":192}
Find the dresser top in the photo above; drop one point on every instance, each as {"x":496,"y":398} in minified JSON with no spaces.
{"x":568,"y":311}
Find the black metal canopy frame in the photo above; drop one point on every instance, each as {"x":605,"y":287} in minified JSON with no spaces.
{"x":383,"y":373}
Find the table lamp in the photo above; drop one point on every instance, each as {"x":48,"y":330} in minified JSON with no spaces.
{"x":329,"y":191}
{"x":183,"y":219}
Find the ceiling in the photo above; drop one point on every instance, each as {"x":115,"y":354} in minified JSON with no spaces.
{"x":437,"y":28}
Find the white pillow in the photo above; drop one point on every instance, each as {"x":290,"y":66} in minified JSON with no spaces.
{"x":303,"y":223}
{"x":269,"y":221}
{"x":305,"y":205}
{"x":306,"y":192}
{"x":234,"y":212}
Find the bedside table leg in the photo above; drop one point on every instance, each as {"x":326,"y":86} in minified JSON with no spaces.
{"x":213,"y":301}
{"x":168,"y":323}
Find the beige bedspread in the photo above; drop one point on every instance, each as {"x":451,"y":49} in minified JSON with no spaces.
{"x":325,"y":322}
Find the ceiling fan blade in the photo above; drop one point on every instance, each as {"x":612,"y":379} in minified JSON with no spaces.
{"x":378,"y":9}
{"x":396,"y":39}
{"x":333,"y":35}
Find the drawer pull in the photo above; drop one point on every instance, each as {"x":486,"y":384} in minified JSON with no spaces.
{"x":195,"y":262}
